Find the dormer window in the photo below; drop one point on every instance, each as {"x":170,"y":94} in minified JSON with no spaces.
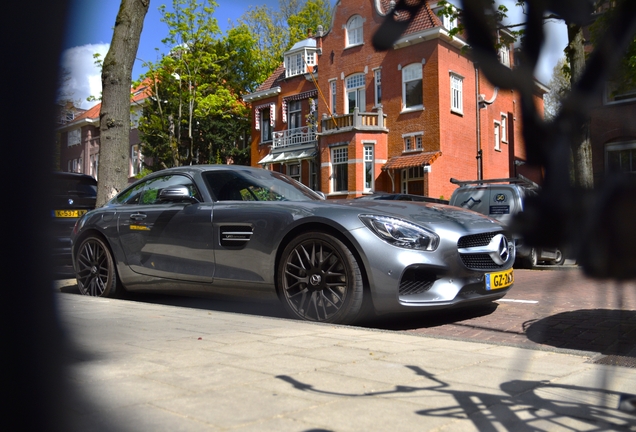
{"x":301,"y":58}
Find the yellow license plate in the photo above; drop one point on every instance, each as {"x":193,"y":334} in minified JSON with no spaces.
{"x":499,"y":280}
{"x":69,"y":213}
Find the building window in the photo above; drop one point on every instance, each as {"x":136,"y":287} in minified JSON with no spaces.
{"x":615,"y":92}
{"x":369,"y":177}
{"x":504,"y":128}
{"x":75,"y":165}
{"x":448,"y":22}
{"x":293,"y":171}
{"x":413,"y":141}
{"x":377,"y":78}
{"x":412,"y":86}
{"x":620,"y":158}
{"x":294,"y":114}
{"x":94,"y":165}
{"x":355,"y":93}
{"x":413,"y":180}
{"x":354,"y":31}
{"x":504,"y":55}
{"x":457,"y":103}
{"x":265,"y":125}
{"x":294,"y":65}
{"x":135,"y":160}
{"x":340,"y":169}
{"x":497,"y":136}
{"x":332,"y":96}
{"x":74,"y":137}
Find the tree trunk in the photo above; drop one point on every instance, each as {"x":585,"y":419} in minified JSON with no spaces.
{"x":114,"y":117}
{"x":581,"y":144}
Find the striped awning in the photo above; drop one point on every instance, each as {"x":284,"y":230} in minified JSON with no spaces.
{"x":301,"y":96}
{"x":287,"y":156}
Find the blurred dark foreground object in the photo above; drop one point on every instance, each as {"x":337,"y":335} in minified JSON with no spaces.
{"x":595,"y":227}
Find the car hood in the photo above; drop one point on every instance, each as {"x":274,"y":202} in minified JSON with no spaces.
{"x":426,"y":214}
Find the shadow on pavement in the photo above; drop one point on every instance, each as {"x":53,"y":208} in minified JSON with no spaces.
{"x":607,"y":331}
{"x":434,"y":318}
{"x":524,"y":405}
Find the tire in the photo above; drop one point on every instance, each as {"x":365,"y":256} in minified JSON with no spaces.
{"x":319,"y":280}
{"x":560,"y":257}
{"x":531,"y":260}
{"x":95,"y":269}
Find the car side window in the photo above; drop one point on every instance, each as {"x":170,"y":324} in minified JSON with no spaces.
{"x":131,"y":195}
{"x":148,"y":192}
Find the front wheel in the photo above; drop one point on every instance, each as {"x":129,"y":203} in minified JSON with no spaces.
{"x":319,"y":280}
{"x":95,"y":269}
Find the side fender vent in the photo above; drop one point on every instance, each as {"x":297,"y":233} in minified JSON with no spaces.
{"x":235,"y":236}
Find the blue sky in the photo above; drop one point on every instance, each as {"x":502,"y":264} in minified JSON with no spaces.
{"x":90,"y":30}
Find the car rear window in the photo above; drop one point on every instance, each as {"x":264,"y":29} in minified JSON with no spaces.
{"x":74,"y":186}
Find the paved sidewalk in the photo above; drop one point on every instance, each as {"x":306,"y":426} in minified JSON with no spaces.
{"x":149,"y":367}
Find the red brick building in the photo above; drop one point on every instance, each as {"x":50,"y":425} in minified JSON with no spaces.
{"x":79,"y":140}
{"x":348,"y":120}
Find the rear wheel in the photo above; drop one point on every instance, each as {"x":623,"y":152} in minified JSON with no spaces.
{"x":319,"y":280}
{"x":95,"y":269}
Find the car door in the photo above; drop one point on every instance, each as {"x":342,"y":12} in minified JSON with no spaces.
{"x":167,"y":239}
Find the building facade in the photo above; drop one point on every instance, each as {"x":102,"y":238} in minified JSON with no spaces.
{"x":79,"y":141}
{"x":404,"y":120}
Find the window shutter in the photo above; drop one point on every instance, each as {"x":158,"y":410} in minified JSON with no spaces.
{"x":272,"y":114}
{"x":257,"y":119}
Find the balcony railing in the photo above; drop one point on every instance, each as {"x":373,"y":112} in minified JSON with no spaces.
{"x":294,"y":137}
{"x":354,"y":121}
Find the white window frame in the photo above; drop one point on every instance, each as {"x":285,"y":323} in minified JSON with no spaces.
{"x":353,"y":31}
{"x":94,"y":168}
{"x":457,"y":93}
{"x":74,"y":137}
{"x":377,"y":85}
{"x":294,"y":114}
{"x":412,"y":73}
{"x":339,"y":157}
{"x":413,"y":141}
{"x":355,"y":85}
{"x":504,"y":55}
{"x":135,"y":160}
{"x":332,"y":95}
{"x":368,"y":157}
{"x":504,"y":128}
{"x":497,"y":136}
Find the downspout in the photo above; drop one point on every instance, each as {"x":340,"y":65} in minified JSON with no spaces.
{"x":478,"y":119}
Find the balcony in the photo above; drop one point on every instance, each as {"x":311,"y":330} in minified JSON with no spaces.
{"x":359,"y":121}
{"x":294,"y":137}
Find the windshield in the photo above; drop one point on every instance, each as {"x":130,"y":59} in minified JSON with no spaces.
{"x":262,"y":185}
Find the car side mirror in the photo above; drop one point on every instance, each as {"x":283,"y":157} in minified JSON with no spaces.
{"x":177,"y":194}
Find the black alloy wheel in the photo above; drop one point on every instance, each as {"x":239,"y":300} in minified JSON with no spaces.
{"x":95,"y":269}
{"x":319,"y":280}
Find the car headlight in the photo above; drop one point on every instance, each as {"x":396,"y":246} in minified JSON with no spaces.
{"x":401,"y":233}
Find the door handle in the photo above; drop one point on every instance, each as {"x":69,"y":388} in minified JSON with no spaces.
{"x":138,"y":216}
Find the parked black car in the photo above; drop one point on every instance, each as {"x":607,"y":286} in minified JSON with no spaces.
{"x":73,"y":195}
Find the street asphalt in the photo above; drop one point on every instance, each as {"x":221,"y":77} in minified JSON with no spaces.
{"x":139,"y":366}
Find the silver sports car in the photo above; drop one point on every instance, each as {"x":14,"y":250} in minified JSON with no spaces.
{"x":236,"y":229}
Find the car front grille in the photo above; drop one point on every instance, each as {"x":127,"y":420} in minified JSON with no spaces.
{"x":416,"y":281}
{"x":480,"y":261}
